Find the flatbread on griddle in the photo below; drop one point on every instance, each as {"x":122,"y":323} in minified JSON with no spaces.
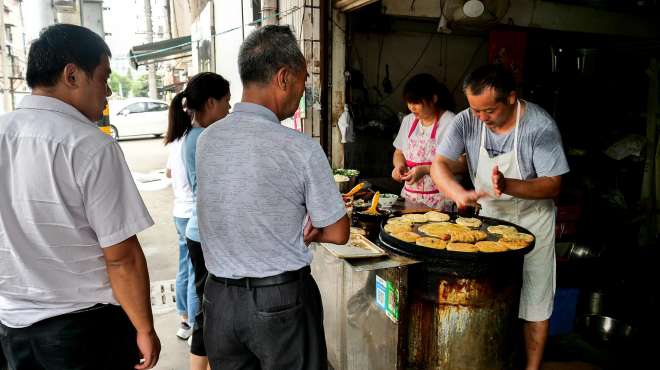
{"x":398,"y":220}
{"x":514,"y":245}
{"x":435,"y":216}
{"x":462,"y":247}
{"x":430,"y":242}
{"x":468,"y":236}
{"x":469,"y":222}
{"x":398,"y":227}
{"x":407,"y":236}
{"x":417,"y":218}
{"x":514,"y":237}
{"x":491,"y":247}
{"x":501,"y":229}
{"x":437,"y":230}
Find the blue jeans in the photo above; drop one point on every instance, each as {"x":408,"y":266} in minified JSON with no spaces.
{"x":186,"y":298}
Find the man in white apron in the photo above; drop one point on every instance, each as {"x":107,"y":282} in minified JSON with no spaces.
{"x":516,"y":160}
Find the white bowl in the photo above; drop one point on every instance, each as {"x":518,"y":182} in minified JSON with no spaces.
{"x":387,"y":200}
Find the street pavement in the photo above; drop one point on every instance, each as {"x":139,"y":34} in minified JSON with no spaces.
{"x":146,"y":159}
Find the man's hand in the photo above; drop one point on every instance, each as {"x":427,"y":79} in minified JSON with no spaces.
{"x":336,"y":233}
{"x":467,"y":198}
{"x":129,"y":277}
{"x":415,"y":174}
{"x":399,"y":172}
{"x":498,"y":181}
{"x":310,"y":233}
{"x":149,"y":346}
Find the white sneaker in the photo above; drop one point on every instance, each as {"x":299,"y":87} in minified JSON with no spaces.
{"x":190,"y":340}
{"x":185,"y":331}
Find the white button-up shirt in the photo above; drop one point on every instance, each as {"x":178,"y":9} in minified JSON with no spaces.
{"x":65,"y":193}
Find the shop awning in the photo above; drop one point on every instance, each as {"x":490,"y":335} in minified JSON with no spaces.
{"x":160,"y":51}
{"x":348,"y":5}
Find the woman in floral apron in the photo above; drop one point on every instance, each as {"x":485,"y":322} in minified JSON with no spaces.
{"x":431,"y":105}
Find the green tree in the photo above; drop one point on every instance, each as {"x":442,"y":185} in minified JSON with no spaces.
{"x":120,"y":85}
{"x":140,"y":86}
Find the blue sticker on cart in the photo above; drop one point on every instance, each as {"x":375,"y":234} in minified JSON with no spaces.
{"x":381,"y":293}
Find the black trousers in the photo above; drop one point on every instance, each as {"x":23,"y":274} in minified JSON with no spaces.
{"x":101,"y":338}
{"x":199,"y":266}
{"x":267,"y":328}
{"x":3,"y":361}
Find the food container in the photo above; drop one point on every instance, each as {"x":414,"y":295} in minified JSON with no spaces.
{"x":387,"y":200}
{"x":343,"y":183}
{"x":370,"y":223}
{"x":350,"y":173}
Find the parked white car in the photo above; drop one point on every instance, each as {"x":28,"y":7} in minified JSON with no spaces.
{"x":138,"y":116}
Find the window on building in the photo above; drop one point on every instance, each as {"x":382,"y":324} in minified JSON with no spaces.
{"x":65,"y":5}
{"x":8,"y":34}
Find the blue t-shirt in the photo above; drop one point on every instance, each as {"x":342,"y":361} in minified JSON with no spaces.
{"x":540,"y":151}
{"x":189,"y":147}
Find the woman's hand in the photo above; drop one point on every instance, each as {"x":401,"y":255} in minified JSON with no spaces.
{"x":399,"y":172}
{"x":415,"y":174}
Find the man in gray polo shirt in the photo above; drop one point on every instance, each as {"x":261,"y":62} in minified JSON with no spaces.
{"x":257,"y":181}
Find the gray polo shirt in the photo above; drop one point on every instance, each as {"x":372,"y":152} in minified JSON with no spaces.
{"x":540,"y":149}
{"x":256,"y":181}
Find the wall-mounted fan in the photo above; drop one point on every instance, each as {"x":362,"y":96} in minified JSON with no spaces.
{"x":471,"y":14}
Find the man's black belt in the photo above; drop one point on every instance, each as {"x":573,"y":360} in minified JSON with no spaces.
{"x":248,"y":282}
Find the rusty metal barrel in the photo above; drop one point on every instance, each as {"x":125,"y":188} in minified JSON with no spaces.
{"x":462,"y":307}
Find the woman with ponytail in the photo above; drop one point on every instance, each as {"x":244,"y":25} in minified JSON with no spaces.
{"x":204,"y":101}
{"x":186,"y":298}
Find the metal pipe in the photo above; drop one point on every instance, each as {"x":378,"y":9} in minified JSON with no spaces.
{"x":268,"y":12}
{"x":151,"y":67}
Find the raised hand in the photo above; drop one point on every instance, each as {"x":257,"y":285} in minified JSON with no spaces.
{"x":498,"y":181}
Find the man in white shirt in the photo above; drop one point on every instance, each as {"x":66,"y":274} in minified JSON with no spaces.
{"x":74,"y":286}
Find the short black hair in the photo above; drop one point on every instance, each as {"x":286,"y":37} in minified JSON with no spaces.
{"x":59,"y":45}
{"x":423,"y":86}
{"x":491,"y":75}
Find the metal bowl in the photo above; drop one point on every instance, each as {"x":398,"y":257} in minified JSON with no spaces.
{"x":605,"y":328}
{"x":563,"y":248}
{"x":596,"y":303}
{"x":370,"y":223}
{"x":582,"y":252}
{"x":387,"y":200}
{"x":343,"y":186}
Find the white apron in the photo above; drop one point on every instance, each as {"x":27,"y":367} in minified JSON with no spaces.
{"x":537,"y":216}
{"x":419,"y":152}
